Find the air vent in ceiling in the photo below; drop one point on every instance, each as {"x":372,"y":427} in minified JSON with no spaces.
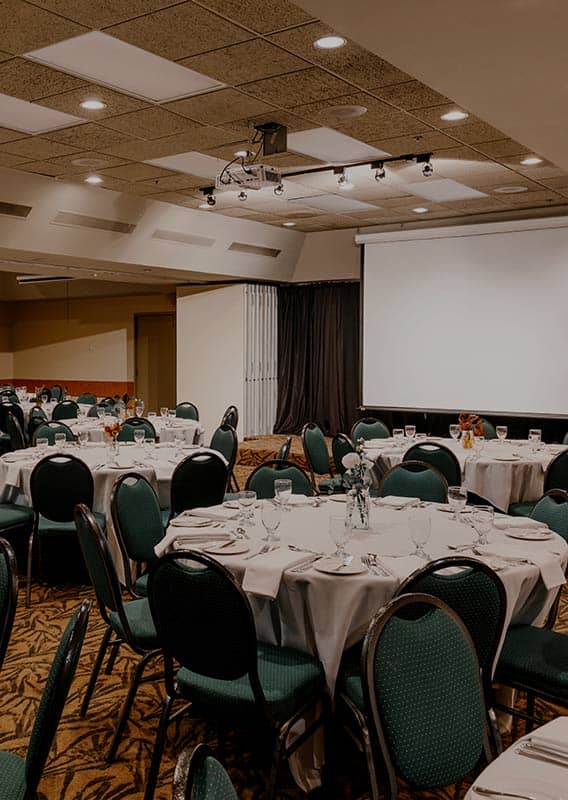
{"x":14,"y":210}
{"x":27,"y":279}
{"x":73,"y":220}
{"x":254,"y":250}
{"x":182,"y":238}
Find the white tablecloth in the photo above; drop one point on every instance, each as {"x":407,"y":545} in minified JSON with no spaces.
{"x":189,"y":430}
{"x":27,"y":406}
{"x":519,"y":477}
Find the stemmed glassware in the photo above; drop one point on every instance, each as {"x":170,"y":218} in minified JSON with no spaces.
{"x":139,"y":435}
{"x":501,"y":431}
{"x":482,"y":520}
{"x":42,"y":444}
{"x":478,"y":443}
{"x":246,"y":500}
{"x":398,"y":436}
{"x":340,"y":532}
{"x":139,"y":408}
{"x":60,"y":440}
{"x":455,"y":432}
{"x":410,"y":431}
{"x":535,"y":438}
{"x":83,"y":438}
{"x":271,"y":516}
{"x":457,"y":498}
{"x":283,"y":492}
{"x":420,"y":528}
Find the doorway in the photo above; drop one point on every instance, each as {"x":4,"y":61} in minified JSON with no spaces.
{"x":155,"y":360}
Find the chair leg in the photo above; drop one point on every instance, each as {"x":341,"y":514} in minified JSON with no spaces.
{"x":529,"y":724}
{"x":95,"y":673}
{"x":29,"y":566}
{"x":115,"y":647}
{"x":152,"y":778}
{"x":127,"y":706}
{"x":279,"y":748}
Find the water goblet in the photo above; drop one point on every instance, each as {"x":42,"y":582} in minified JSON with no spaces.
{"x":455,"y":432}
{"x":501,"y":431}
{"x":60,"y":439}
{"x":340,"y":532}
{"x":139,"y":408}
{"x":420,"y":528}
{"x":83,"y":438}
{"x":139,"y":435}
{"x":178,"y":443}
{"x":457,"y":498}
{"x":171,"y":416}
{"x":42,"y":444}
{"x":410,"y":431}
{"x":398,"y":436}
{"x":482,"y":520}
{"x":270,"y":516}
{"x":535,"y":438}
{"x":478,"y":443}
{"x":420,"y":437}
{"x":283,"y":491}
{"x":100,"y":413}
{"x":163,"y":411}
{"x":246,"y":500}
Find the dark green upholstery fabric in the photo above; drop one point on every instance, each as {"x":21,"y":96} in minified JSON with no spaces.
{"x":187,"y":411}
{"x":535,"y":657}
{"x":426,"y":485}
{"x":66,"y":409}
{"x":139,"y":518}
{"x":349,"y":679}
{"x":140,"y":622}
{"x":88,"y":398}
{"x":288,"y":677}
{"x":48,"y":527}
{"x":565,"y":440}
{"x":100,"y":565}
{"x":165,"y":514}
{"x":369,"y":430}
{"x":224,"y":442}
{"x":262,"y":480}
{"x":126,"y":433}
{"x":141,"y":585}
{"x":489,"y":429}
{"x":440,"y":457}
{"x":48,"y":432}
{"x":316,"y":450}
{"x":524,"y":509}
{"x":211,"y":782}
{"x":552,"y":513}
{"x":12,"y":776}
{"x":557,"y":473}
{"x":331,"y":485}
{"x":12,"y":515}
{"x":340,"y":446}
{"x":430,"y":699}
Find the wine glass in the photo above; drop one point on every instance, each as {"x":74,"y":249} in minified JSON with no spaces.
{"x":340,"y":532}
{"x":83,"y":438}
{"x":271,"y":516}
{"x":246,"y":500}
{"x":44,"y":398}
{"x":501,"y":431}
{"x":139,"y":435}
{"x":100,"y":413}
{"x":482,"y":520}
{"x":410,"y":431}
{"x":42,"y":444}
{"x":535,"y":437}
{"x":457,"y":498}
{"x":163,"y":411}
{"x":60,"y":440}
{"x":178,"y":442}
{"x":420,"y":528}
{"x":455,"y":432}
{"x":283,"y":491}
{"x":139,"y":408}
{"x":398,"y":436}
{"x":478,"y":443}
{"x":171,"y":416}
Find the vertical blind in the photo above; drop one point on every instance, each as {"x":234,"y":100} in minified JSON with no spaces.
{"x":261,"y":359}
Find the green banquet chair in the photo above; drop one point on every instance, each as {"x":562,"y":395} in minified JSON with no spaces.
{"x":369,"y":428}
{"x":132,"y":424}
{"x":199,"y":776}
{"x":187,"y":410}
{"x":555,"y":477}
{"x":284,"y":450}
{"x":439,"y":456}
{"x":319,"y":463}
{"x":226,"y":442}
{"x":199,"y":480}
{"x":230,"y":417}
{"x":341,"y":445}
{"x":66,"y":409}
{"x":87,"y":398}
{"x":8,"y":594}
{"x":48,"y":430}
{"x":415,"y":479}
{"x":261,"y":480}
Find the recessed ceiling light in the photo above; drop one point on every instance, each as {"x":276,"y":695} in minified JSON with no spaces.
{"x":288,"y":224}
{"x":531,"y":161}
{"x":420,"y":210}
{"x":454,"y":116}
{"x":94,"y":179}
{"x":93,"y":105}
{"x":330,"y":42}
{"x":346,"y":112}
{"x":21,"y":115}
{"x":510,"y":189}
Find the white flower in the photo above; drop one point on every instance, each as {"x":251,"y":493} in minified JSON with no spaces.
{"x":350,"y":460}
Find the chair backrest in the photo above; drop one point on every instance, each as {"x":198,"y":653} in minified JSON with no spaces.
{"x":439,"y":456}
{"x":187,"y":410}
{"x":340,"y":446}
{"x":315,"y":450}
{"x":36,"y":418}
{"x":231,"y":417}
{"x":7,"y":387}
{"x":108,"y":402}
{"x":10,"y":408}
{"x":552,"y":509}
{"x":415,"y":479}
{"x":108,"y":410}
{"x":8,"y":594}
{"x":284,"y":450}
{"x":488,"y":429}
{"x":8,"y":396}
{"x":261,"y":480}
{"x":369,"y":428}
{"x":189,"y":591}
{"x":88,"y":398}
{"x":66,"y":409}
{"x":476,"y":593}
{"x":226,"y":442}
{"x":199,"y":776}
{"x":556,"y":476}
{"x":56,"y":392}
{"x":47,"y":430}
{"x":15,"y":432}
{"x":45,"y":391}
{"x":199,"y":480}
{"x":136,"y":423}
{"x":422,"y":686}
{"x":54,"y":696}
{"x":136,"y":517}
{"x":58,"y":483}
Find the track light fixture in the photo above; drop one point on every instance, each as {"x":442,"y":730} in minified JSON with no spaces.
{"x":279,"y":190}
{"x":380,"y":171}
{"x":211,"y":200}
{"x":427,"y":169}
{"x":209,"y":193}
{"x":242,"y":196}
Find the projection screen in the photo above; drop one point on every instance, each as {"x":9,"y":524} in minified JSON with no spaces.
{"x":468,"y":318}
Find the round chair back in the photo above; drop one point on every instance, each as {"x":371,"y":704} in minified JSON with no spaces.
{"x":261,"y":480}
{"x":58,"y":483}
{"x":66,"y":409}
{"x":198,"y":480}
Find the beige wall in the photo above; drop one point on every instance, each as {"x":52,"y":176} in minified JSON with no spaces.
{"x":328,"y":256}
{"x":81,"y":339}
{"x":6,"y":358}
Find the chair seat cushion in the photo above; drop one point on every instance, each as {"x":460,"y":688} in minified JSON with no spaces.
{"x":51,"y":528}
{"x":535,"y":657}
{"x":141,"y":585}
{"x":140,"y":622}
{"x":12,"y":515}
{"x":12,"y":776}
{"x":288,"y":678}
{"x":331,"y":485}
{"x":349,"y":680}
{"x":521,"y":509}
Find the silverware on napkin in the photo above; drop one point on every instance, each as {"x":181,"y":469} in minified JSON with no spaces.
{"x":266,"y":548}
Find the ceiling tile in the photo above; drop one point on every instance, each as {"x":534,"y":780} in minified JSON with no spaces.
{"x":176,"y":198}
{"x":306,"y":86}
{"x":26,"y":27}
{"x":410,"y":95}
{"x":29,"y":81}
{"x":560,"y":182}
{"x":204,"y":137}
{"x":501,"y":148}
{"x":43,"y":168}
{"x":352,"y":62}
{"x":541,"y":197}
{"x":480,"y":205}
{"x":149,"y":123}
{"x":180,"y":31}
{"x":135,"y":172}
{"x":8,"y":135}
{"x":116,"y":103}
{"x":109,"y":183}
{"x":138,"y":188}
{"x":280,"y":160}
{"x":90,"y":136}
{"x":536,"y":172}
{"x":419,"y":143}
{"x":244,"y":128}
{"x":476,"y":132}
{"x":37,"y":148}
{"x":102,"y":161}
{"x":443,"y":190}
{"x":224,"y":105}
{"x":172,"y":182}
{"x":103,"y":12}
{"x":5,"y":56}
{"x":270,"y":15}
{"x":9,"y":160}
{"x":245,"y":62}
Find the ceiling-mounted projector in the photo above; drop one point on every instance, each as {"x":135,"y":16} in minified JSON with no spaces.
{"x":253,"y":176}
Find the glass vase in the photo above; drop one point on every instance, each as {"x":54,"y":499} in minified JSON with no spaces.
{"x":358,"y":508}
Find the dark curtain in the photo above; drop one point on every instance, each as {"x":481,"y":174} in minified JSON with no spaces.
{"x":318,"y":357}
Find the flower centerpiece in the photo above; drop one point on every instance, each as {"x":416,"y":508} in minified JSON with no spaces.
{"x":470,"y":425}
{"x":111,"y":430}
{"x":357,"y":480}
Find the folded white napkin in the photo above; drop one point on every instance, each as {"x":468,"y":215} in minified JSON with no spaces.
{"x":402,"y":567}
{"x":188,"y":520}
{"x":551,"y":571}
{"x":13,"y":474}
{"x":300,"y":500}
{"x":503,"y":523}
{"x":554,"y":735}
{"x":264,"y":573}
{"x":190,"y":537}
{"x":215,"y":512}
{"x":398,"y":502}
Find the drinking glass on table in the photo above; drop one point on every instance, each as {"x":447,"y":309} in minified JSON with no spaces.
{"x":179,"y":441}
{"x":501,"y":431}
{"x":410,"y":431}
{"x":171,"y":416}
{"x":246,"y":500}
{"x":482,"y":520}
{"x":420,"y":437}
{"x":270,"y":516}
{"x":139,"y":408}
{"x":100,"y":412}
{"x":163,"y":411}
{"x":44,"y":398}
{"x":455,"y":432}
{"x":60,"y":439}
{"x":457,"y":498}
{"x":340,"y":532}
{"x":283,"y":492}
{"x":83,"y":438}
{"x":398,"y":436}
{"x":478,"y":443}
{"x":139,"y":435}
{"x":420,"y":528}
{"x":535,"y":438}
{"x":152,"y":415}
{"x":42,"y":444}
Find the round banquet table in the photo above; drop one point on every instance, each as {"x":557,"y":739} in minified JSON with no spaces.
{"x":27,"y":406}
{"x":504,"y":473}
{"x":167,"y":430}
{"x":323,"y":614}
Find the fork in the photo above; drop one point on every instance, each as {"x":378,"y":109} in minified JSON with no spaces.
{"x":486,"y":792}
{"x":366,"y":561}
{"x":266,"y":548}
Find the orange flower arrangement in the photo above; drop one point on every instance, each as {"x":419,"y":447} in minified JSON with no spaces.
{"x":112,"y":430}
{"x":471,"y":422}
